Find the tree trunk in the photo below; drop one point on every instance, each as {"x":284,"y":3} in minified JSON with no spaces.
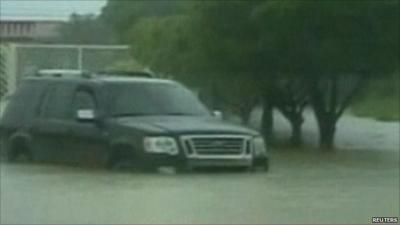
{"x":296,"y":138}
{"x":215,"y":100}
{"x":245,"y":116}
{"x":267,"y":121}
{"x":327,"y":128}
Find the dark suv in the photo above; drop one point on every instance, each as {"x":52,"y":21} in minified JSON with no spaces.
{"x":119,"y":121}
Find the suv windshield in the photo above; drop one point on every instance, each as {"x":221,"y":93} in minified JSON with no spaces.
{"x":134,"y":99}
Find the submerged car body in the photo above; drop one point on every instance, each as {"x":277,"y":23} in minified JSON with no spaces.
{"x":108,"y":120}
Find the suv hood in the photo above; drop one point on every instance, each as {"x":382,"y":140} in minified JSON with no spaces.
{"x":183,"y":125}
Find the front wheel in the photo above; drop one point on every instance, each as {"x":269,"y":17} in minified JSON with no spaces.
{"x":121,"y":165}
{"x":183,"y":169}
{"x":128,"y":164}
{"x":20,"y":154}
{"x":261,"y":165}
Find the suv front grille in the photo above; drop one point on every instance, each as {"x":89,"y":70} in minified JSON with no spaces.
{"x":215,"y":144}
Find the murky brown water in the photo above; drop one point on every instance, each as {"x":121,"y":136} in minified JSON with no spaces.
{"x":343,"y":187}
{"x":302,"y":187}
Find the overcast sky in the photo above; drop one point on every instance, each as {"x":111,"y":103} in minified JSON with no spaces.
{"x":48,"y":9}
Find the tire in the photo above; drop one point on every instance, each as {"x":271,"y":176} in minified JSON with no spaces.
{"x":124,"y":160}
{"x":121,"y":165}
{"x":20,"y":157}
{"x":183,"y":169}
{"x":147,"y":168}
{"x":127,"y":164}
{"x":19,"y":153}
{"x":265,"y":166}
{"x":262,"y":167}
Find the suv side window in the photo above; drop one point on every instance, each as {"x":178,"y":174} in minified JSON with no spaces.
{"x":83,"y":99}
{"x":57,"y":101}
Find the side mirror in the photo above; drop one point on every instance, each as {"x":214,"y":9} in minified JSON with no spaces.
{"x":218,"y":114}
{"x":85,"y":115}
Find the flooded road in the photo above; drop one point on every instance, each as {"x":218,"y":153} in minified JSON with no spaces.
{"x":307,"y":187}
{"x":351,"y":132}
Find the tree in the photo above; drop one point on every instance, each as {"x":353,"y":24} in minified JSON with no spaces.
{"x":336,"y":46}
{"x":321,"y":52}
{"x":239,"y":96}
{"x":230,"y":40}
{"x":171,"y":44}
{"x":292,"y":96}
{"x":85,"y":29}
{"x":163,"y":44}
{"x":366,"y":45}
{"x":325,"y":49}
{"x":123,"y":15}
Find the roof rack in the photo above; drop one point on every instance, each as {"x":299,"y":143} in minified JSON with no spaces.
{"x":124,"y":73}
{"x":63,"y":73}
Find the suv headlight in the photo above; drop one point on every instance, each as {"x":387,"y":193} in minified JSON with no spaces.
{"x":161,"y":145}
{"x":259,"y":146}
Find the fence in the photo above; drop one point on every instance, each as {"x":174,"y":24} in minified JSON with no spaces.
{"x":20,"y":60}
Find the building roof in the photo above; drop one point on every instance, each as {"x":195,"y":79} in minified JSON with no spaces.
{"x":31,"y":19}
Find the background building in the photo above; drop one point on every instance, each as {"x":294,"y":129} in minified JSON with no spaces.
{"x":28,"y":45}
{"x":29,"y":30}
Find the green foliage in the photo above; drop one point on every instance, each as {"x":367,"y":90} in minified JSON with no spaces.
{"x":322,"y":38}
{"x":168,"y":45}
{"x":261,"y":38}
{"x":335,"y":45}
{"x":380,"y":99}
{"x":122,"y":15}
{"x":385,"y":109}
{"x":126,"y":65}
{"x":245,"y":48}
{"x":156,"y":40}
{"x":85,"y":29}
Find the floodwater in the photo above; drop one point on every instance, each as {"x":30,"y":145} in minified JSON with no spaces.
{"x":351,"y":132}
{"x":306,"y":186}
